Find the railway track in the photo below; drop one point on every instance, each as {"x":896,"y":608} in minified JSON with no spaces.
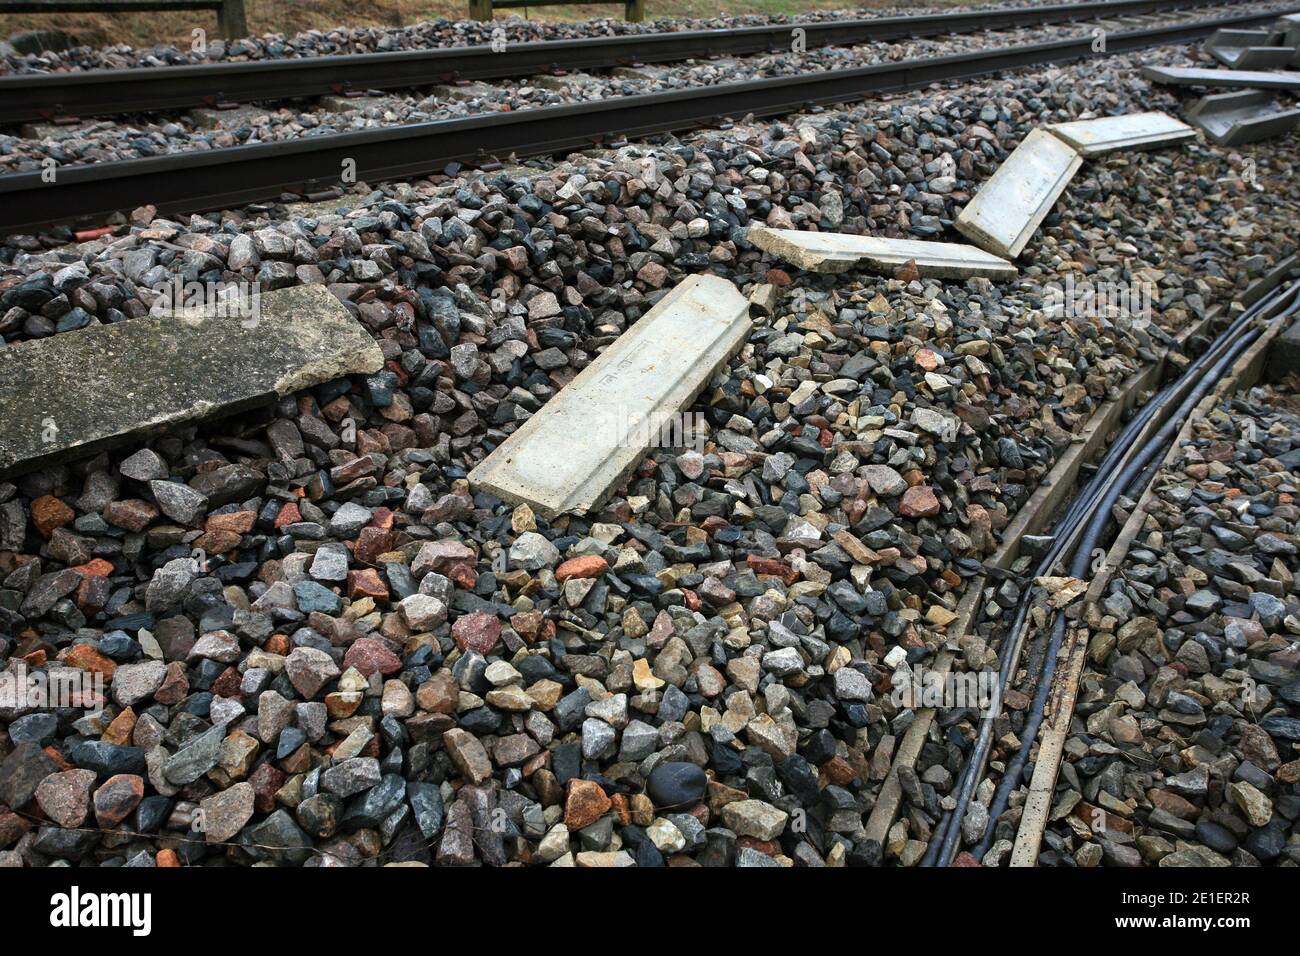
{"x":33,"y":97}
{"x":196,"y":181}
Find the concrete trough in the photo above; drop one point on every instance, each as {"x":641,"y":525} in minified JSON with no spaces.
{"x":838,"y":252}
{"x":1096,"y":137}
{"x":1230,"y":119}
{"x":1003,"y":215}
{"x":1200,"y":76}
{"x":76,"y":393}
{"x":572,"y":454}
{"x":1289,"y":27}
{"x":1250,"y":49}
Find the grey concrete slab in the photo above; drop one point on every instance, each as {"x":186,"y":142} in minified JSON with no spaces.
{"x":1096,"y":137}
{"x":1230,"y":119}
{"x":207,"y":118}
{"x":1019,"y":195}
{"x":1201,"y":76}
{"x":344,"y":104}
{"x":838,"y":252}
{"x":583,"y":443}
{"x":1289,"y":27}
{"x":78,"y":392}
{"x":1284,"y":354}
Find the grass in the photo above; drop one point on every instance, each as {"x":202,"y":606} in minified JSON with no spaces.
{"x":293,"y":16}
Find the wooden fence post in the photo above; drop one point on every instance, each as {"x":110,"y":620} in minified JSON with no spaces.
{"x":634,"y":11}
{"x":480,"y":9}
{"x":231,"y":20}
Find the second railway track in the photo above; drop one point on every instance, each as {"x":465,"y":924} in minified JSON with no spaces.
{"x":196,"y":181}
{"x":47,"y":96}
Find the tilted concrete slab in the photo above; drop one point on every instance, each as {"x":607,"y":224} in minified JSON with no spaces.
{"x":78,"y":392}
{"x":1096,"y":137}
{"x":1231,"y":119}
{"x":838,"y":252}
{"x":1200,"y":76}
{"x":1019,"y":195}
{"x":583,"y":443}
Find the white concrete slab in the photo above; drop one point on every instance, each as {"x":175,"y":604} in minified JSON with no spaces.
{"x":838,"y":252}
{"x":1008,"y":208}
{"x":1200,"y":76}
{"x":584,"y":442}
{"x":1096,"y":137}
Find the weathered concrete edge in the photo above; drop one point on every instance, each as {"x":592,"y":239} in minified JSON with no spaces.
{"x":371,"y":360}
{"x":831,"y":263}
{"x":1149,"y":141}
{"x":624,"y":458}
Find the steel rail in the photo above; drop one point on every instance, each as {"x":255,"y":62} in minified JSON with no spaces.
{"x":195,"y":181}
{"x":46,"y":96}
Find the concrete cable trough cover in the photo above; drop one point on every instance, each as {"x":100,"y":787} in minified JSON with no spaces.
{"x":1201,"y":76}
{"x":1251,"y":49}
{"x":837,"y":252}
{"x":1019,"y":195}
{"x":574,"y":452}
{"x":1107,"y":134}
{"x":1230,"y":119}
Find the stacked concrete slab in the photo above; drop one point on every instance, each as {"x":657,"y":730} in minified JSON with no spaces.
{"x":1258,"y":60}
{"x":1002,"y":216}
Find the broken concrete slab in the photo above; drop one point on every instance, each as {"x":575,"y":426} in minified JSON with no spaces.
{"x":78,"y":392}
{"x":343,"y":104}
{"x":564,"y":81}
{"x":205,"y":117}
{"x":1106,"y":134}
{"x":1201,"y":76}
{"x":464,"y":91}
{"x":1019,"y":195}
{"x":1250,"y":49}
{"x":582,"y":444}
{"x":838,"y":252}
{"x":1230,"y":119}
